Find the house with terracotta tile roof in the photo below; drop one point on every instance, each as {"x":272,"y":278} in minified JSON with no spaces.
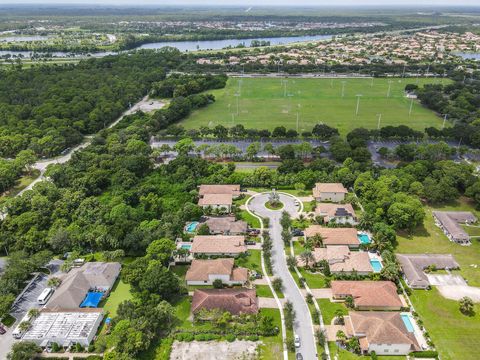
{"x":334,"y":236}
{"x":218,"y":245}
{"x":236,"y":301}
{"x":331,"y":192}
{"x":226,"y":225}
{"x":205,"y":272}
{"x":342,"y":260}
{"x":338,"y":213}
{"x":216,"y":201}
{"x":368,"y":295}
{"x":381,"y":331}
{"x":233,"y":190}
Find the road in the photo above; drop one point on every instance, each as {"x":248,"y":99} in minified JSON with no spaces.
{"x":303,"y":322}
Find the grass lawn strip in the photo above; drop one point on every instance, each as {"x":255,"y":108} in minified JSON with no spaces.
{"x":328,"y":309}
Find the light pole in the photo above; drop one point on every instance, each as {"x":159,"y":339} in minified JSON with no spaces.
{"x":237,"y":95}
{"x":444,"y":121}
{"x":389,"y":88}
{"x":358,"y":103}
{"x":378,"y":121}
{"x":411,"y":107}
{"x":343,"y":88}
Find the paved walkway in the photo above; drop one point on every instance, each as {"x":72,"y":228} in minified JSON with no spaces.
{"x":303,"y":323}
{"x":269,"y":303}
{"x":322,"y":293}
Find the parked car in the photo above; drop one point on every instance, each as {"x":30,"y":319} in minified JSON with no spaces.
{"x":299,"y":356}
{"x":257,"y":275}
{"x":297,"y":341}
{"x":253,"y":232}
{"x":250,"y":242}
{"x":297,"y":203}
{"x":2,"y":330}
{"x":297,"y":232}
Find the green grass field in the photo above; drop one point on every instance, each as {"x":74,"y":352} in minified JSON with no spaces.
{"x":453,"y":333}
{"x":120,"y":293}
{"x":267,"y":103}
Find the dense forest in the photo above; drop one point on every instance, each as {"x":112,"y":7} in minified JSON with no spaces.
{"x":50,"y":108}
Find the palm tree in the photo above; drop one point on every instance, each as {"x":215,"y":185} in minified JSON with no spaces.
{"x":341,"y":337}
{"x":307,"y":257}
{"x":317,"y":240}
{"x":24,"y":326}
{"x":54,"y":282}
{"x":33,"y":313}
{"x":466,"y":306}
{"x":291,"y":261}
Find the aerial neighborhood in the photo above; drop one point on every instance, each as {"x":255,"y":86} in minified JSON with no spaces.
{"x":224,"y":180}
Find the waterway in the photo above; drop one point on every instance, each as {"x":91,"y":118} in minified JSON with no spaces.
{"x":181,"y":45}
{"x":469,"y":56}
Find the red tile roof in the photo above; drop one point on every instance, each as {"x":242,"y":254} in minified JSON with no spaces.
{"x":235,"y":301}
{"x":368,"y":293}
{"x":334,"y":236}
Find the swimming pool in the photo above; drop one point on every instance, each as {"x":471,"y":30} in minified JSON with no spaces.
{"x":191,"y":226}
{"x":186,"y":246}
{"x":407,"y":322}
{"x":376,"y":265}
{"x":364,"y":238}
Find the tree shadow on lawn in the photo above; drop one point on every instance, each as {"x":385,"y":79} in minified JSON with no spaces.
{"x":419,"y":231}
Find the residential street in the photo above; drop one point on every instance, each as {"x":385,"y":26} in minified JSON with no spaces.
{"x":303,"y":322}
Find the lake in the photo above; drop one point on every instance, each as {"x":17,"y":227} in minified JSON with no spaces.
{"x":469,"y":56}
{"x":185,"y":45}
{"x":220,"y":44}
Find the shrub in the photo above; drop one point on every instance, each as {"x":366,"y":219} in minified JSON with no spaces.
{"x":252,"y":338}
{"x":425,"y":354}
{"x":230,"y":338}
{"x":217,"y":284}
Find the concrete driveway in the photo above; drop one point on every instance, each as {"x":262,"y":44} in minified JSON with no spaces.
{"x":303,"y":323}
{"x":443,"y":279}
{"x":456,"y":292}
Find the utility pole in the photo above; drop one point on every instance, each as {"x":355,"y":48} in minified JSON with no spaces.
{"x":358,"y":103}
{"x":378,"y":121}
{"x":411,"y":107}
{"x":343,"y":88}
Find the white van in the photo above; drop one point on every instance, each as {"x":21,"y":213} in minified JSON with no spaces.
{"x":44,"y":296}
{"x":17,"y":333}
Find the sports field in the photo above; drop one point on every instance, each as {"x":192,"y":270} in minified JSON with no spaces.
{"x":264,"y":103}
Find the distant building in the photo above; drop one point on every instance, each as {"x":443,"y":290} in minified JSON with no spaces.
{"x":236,"y":301}
{"x":205,"y":272}
{"x":413,"y":266}
{"x":368,"y":295}
{"x":381,"y":331}
{"x":338,"y":213}
{"x":334,"y":236}
{"x":331,"y":192}
{"x":227,"y":225}
{"x":218,"y":245}
{"x":449,"y":222}
{"x":64,"y":328}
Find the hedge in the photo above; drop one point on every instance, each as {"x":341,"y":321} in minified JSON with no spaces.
{"x":425,"y":354}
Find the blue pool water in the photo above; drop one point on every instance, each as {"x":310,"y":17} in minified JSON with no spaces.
{"x":407,"y":322}
{"x":364,"y":238}
{"x":376,"y":265}
{"x":191,"y":227}
{"x":186,"y":246}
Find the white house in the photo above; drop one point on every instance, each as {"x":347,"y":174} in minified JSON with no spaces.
{"x":330,"y":192}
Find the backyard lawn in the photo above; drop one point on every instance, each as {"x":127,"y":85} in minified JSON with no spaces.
{"x":267,"y":103}
{"x":119,"y":293}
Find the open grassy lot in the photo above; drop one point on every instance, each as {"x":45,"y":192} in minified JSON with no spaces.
{"x":272,"y":347}
{"x":430,"y":239}
{"x":454,"y":334}
{"x":264,"y":291}
{"x":267,"y":103}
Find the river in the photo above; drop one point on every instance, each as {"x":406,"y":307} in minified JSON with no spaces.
{"x":469,"y":56}
{"x":183,"y":45}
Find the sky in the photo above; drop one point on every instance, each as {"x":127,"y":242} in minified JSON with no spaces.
{"x":329,"y":3}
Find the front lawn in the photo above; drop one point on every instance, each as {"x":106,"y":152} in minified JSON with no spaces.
{"x":252,"y":261}
{"x":328,"y":309}
{"x":119,"y":293}
{"x":251,"y":220}
{"x":347,"y":355}
{"x":454,"y":334}
{"x":272,"y":347}
{"x":314,"y":281}
{"x":264,"y":291}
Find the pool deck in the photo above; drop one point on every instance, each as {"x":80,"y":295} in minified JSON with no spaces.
{"x":417,"y":331}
